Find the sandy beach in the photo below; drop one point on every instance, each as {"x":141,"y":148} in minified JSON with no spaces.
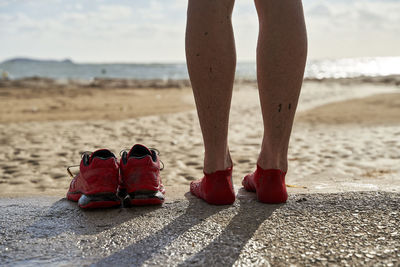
{"x":344,"y":164}
{"x":345,"y":132}
{"x":78,"y":76}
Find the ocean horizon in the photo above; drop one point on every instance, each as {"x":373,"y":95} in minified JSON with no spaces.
{"x":18,"y":68}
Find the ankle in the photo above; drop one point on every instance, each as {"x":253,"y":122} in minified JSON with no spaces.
{"x":277,"y":162}
{"x":213,"y":162}
{"x":273,"y":155}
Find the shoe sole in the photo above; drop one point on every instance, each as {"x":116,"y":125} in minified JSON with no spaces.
{"x":105,"y":200}
{"x":144,"y":198}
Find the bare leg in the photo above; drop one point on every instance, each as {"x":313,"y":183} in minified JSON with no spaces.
{"x":211,"y":60}
{"x":281,"y":56}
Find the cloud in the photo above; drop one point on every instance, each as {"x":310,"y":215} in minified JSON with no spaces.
{"x":356,"y":14}
{"x":319,"y":10}
{"x":353,"y":28}
{"x":153,"y":30}
{"x":113,"y":12}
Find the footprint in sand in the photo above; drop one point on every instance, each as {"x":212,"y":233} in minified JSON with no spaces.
{"x":188,"y":177}
{"x":15,"y":182}
{"x":243,"y":161}
{"x":10,"y":169}
{"x":57,"y":175}
{"x":62,"y":154}
{"x":33,"y":162}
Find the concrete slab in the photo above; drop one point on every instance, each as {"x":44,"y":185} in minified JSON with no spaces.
{"x":350,"y":228}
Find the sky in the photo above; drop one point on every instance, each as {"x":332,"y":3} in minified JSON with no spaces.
{"x":154,"y":30}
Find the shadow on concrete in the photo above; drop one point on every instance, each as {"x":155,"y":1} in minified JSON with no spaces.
{"x":226,"y":248}
{"x":227,"y":245}
{"x":191,"y":232}
{"x":65,"y":216}
{"x":143,"y":250}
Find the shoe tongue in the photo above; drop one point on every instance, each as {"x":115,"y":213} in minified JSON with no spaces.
{"x":102,"y":154}
{"x":139,"y":151}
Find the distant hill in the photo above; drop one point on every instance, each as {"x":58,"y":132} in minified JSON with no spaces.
{"x":30,"y":60}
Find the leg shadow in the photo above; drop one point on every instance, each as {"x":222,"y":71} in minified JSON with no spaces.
{"x":143,"y":250}
{"x":226,"y":248}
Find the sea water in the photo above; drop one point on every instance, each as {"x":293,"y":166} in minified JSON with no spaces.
{"x":318,"y":69}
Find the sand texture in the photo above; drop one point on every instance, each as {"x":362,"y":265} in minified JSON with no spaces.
{"x":57,"y":104}
{"x":346,"y":137}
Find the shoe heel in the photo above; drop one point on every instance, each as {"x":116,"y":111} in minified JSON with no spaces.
{"x":221,"y":193}
{"x":271,"y":188}
{"x":143,"y":198}
{"x":99,"y":201}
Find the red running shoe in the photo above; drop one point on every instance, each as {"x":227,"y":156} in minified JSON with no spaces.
{"x":269,"y":185}
{"x":96,"y":184}
{"x":215,"y":188}
{"x":140,"y":182}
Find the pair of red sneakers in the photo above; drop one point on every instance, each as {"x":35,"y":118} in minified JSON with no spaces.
{"x":104,"y":182}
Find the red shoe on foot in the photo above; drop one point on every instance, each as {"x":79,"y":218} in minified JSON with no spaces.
{"x":96,"y":184}
{"x":140,"y":182}
{"x":215,"y":188}
{"x":269,"y":185}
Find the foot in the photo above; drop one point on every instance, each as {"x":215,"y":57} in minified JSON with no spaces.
{"x":269,"y":185}
{"x":215,"y":188}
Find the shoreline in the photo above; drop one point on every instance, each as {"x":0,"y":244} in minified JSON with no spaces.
{"x":38,"y":82}
{"x":40,"y":99}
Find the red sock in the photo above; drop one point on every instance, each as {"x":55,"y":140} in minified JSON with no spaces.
{"x":215,"y":188}
{"x":268,"y":184}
